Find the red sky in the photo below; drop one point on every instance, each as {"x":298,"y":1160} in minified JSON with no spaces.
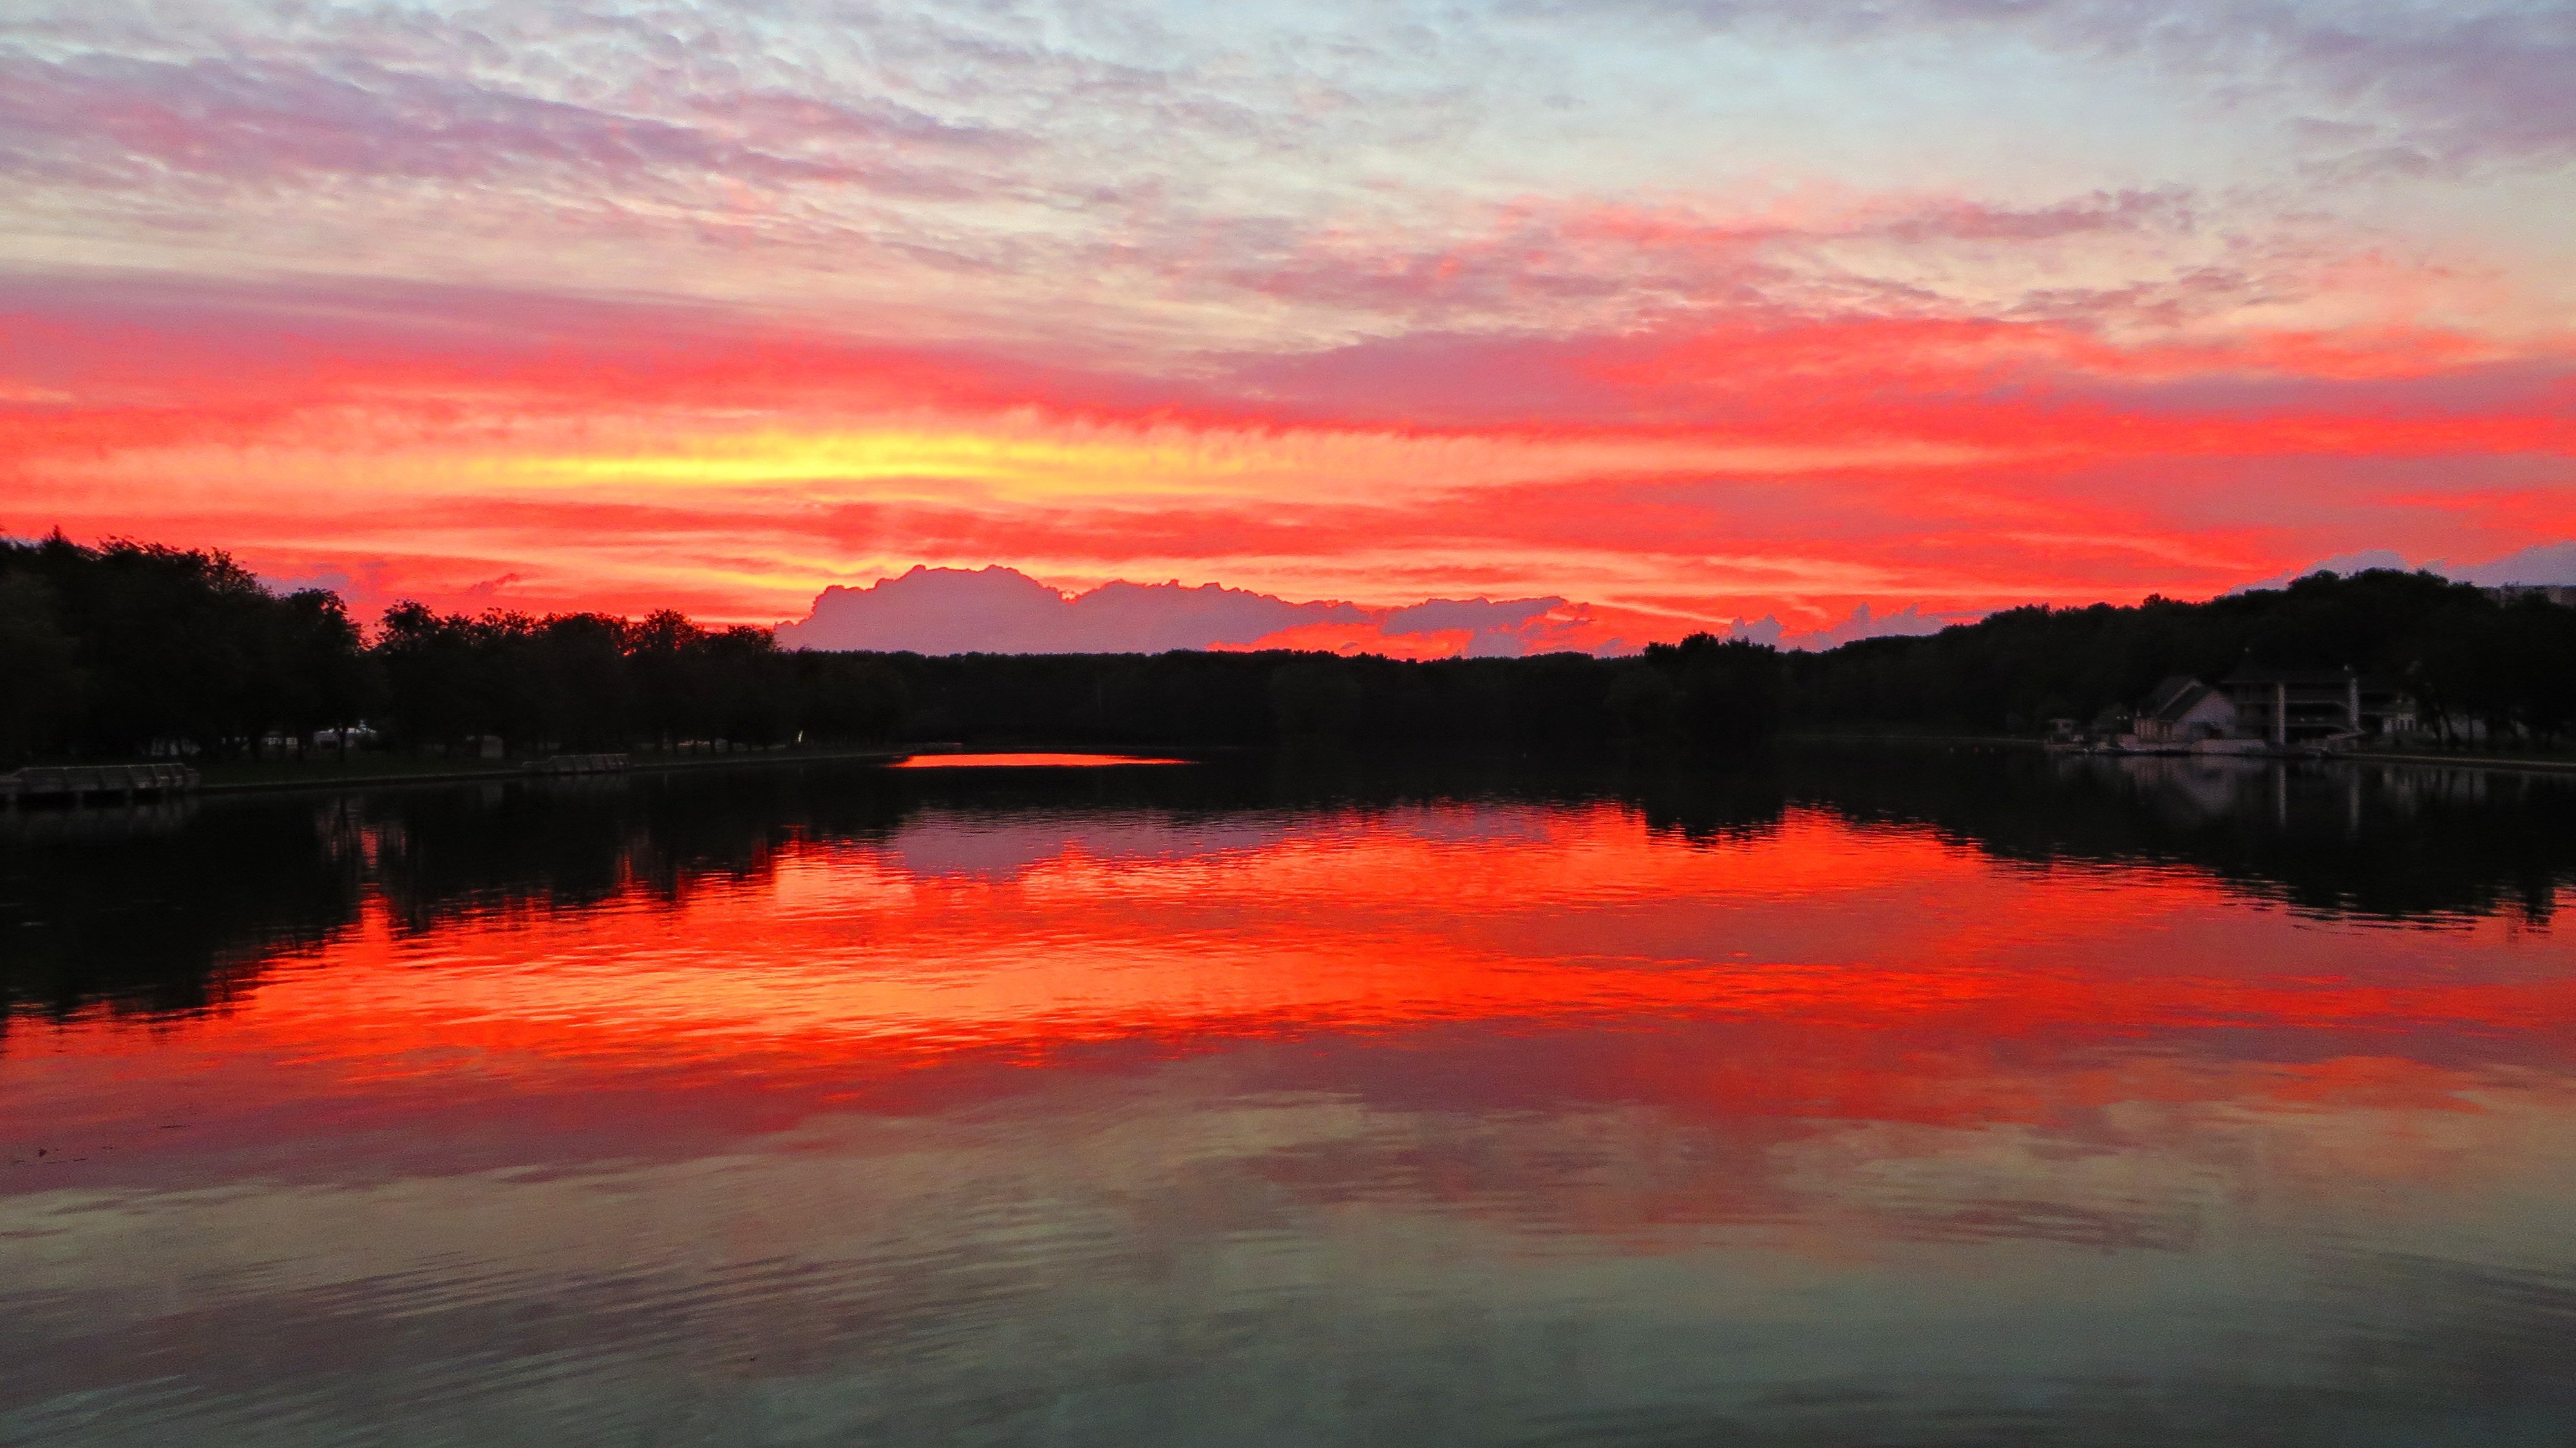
{"x":1687,"y":314}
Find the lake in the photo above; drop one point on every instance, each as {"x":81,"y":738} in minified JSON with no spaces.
{"x":1907,"y":1096}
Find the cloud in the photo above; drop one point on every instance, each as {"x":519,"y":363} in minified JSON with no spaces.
{"x":2451,"y":84}
{"x":1476,"y":615}
{"x":2341,"y":563}
{"x":1590,"y":265}
{"x":1864,"y":624}
{"x":122,"y":119}
{"x":2550,"y":563}
{"x":1000,"y":610}
{"x":1767,"y":631}
{"x":1003,"y":611}
{"x":2541,"y":563}
{"x":1357,"y":302}
{"x":626,"y":455}
{"x":1508,"y":628}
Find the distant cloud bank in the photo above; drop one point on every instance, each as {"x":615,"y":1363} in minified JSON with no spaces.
{"x":1003,"y":611}
{"x":2545,"y":563}
{"x":999,"y":610}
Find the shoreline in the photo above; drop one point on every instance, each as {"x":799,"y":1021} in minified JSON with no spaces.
{"x":2475,"y":761}
{"x":2011,"y":741}
{"x":2455,"y":761}
{"x":324,"y":777}
{"x":519,"y":771}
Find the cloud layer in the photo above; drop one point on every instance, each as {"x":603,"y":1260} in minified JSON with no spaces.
{"x":997,"y":610}
{"x":2546,"y":564}
{"x":1820,"y":317}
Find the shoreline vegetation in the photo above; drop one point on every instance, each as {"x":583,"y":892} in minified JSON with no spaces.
{"x":329,"y":772}
{"x":380,"y":771}
{"x":2486,"y":754}
{"x":129,"y":651}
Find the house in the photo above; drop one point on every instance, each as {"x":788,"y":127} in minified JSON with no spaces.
{"x":2184,"y":711}
{"x":2308,"y":706}
{"x":2255,"y":707}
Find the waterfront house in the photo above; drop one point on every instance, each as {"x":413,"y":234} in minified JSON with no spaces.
{"x":2284,"y":707}
{"x":2184,"y":711}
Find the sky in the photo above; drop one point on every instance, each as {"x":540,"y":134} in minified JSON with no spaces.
{"x":1788,"y":317}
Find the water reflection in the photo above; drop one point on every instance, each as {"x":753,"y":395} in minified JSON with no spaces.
{"x":166,"y":907}
{"x":2393,"y":841}
{"x":1860,"y":1097}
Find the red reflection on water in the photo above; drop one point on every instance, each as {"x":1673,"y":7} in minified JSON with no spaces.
{"x":1516,"y":960}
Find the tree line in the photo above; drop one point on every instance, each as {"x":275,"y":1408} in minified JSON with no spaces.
{"x":126,"y":648}
{"x":2466,"y":656}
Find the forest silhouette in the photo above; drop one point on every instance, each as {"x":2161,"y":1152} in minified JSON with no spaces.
{"x":125,"y":648}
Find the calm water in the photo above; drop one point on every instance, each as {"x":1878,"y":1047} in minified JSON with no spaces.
{"x":1903,"y":1098}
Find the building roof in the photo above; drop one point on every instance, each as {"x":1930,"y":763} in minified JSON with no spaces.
{"x":2175,"y":698}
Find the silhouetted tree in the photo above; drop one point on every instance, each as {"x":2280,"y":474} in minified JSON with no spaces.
{"x":105,"y":651}
{"x":2463,"y":653}
{"x":1726,"y":693}
{"x":114,"y":648}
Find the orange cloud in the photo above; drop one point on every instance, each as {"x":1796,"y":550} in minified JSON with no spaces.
{"x":1741,"y":465}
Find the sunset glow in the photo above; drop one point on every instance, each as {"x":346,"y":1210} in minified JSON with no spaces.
{"x":1688,"y":314}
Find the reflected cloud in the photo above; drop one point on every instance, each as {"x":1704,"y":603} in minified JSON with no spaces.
{"x":1845,"y":1095}
{"x":228,"y":884}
